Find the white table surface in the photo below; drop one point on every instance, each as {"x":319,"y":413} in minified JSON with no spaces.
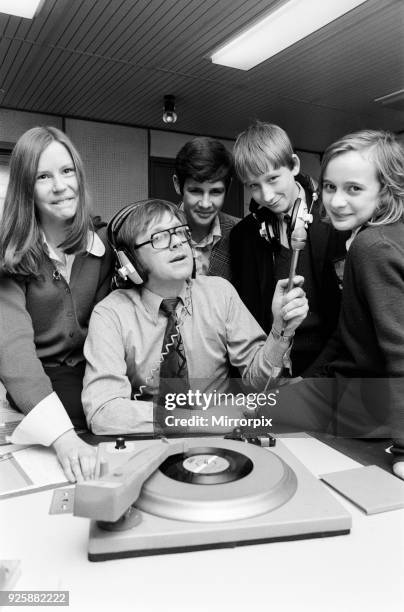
{"x":362,"y":571}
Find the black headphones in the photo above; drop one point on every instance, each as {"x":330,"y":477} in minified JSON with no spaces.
{"x":128,"y":267}
{"x":270,"y":223}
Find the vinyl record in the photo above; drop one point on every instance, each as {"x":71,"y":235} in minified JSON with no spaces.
{"x":207,"y":466}
{"x":248,"y":480}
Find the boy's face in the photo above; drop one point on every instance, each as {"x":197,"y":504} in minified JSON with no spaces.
{"x":202,"y":201}
{"x":171,"y":264}
{"x":350,"y":190}
{"x":276,"y":189}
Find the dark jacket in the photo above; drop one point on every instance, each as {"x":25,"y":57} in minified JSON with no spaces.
{"x":253,"y":268}
{"x":219,"y":264}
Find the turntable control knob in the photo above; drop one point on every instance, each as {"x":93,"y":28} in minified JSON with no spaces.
{"x":120,"y":443}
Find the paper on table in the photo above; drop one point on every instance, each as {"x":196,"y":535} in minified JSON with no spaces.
{"x":372,"y":489}
{"x":28,"y":470}
{"x":9,"y":418}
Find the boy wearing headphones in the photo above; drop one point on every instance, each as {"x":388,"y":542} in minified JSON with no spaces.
{"x":260,"y":245}
{"x":128,"y":349}
{"x":203,"y":172}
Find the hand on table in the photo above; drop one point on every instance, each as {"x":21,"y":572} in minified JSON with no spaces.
{"x":77,"y":458}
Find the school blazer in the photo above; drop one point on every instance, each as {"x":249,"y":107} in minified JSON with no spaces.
{"x":253,"y":270}
{"x":219,"y":264}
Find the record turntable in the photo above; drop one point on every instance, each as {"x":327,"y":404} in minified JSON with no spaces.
{"x":160,"y":496}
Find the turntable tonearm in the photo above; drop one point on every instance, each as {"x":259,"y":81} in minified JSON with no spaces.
{"x":160,"y":496}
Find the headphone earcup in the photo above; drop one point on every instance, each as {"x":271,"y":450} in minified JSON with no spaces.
{"x":264,"y":215}
{"x":128,"y":269}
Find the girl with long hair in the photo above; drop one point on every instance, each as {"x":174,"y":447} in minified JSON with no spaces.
{"x":54,"y":267}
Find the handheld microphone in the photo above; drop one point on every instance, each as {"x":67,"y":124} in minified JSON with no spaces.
{"x":298,"y":242}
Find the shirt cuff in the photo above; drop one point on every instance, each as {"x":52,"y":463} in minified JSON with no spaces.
{"x":278,"y":349}
{"x":46,"y":422}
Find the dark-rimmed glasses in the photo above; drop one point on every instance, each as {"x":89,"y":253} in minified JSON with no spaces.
{"x":162,"y":239}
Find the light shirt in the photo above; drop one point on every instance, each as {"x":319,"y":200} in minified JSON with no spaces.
{"x":352,"y":238}
{"x":124,"y":344}
{"x":203,"y":249}
{"x":43,"y":424}
{"x":339,"y":264}
{"x":63,"y":262}
{"x":303,"y":210}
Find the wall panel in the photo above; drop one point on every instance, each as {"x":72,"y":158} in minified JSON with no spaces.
{"x":14,"y":123}
{"x":116,"y":163}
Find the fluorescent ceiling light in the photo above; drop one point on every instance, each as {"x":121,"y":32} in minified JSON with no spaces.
{"x":392,"y":97}
{"x":20,"y":8}
{"x":280,"y":29}
{"x":393,"y":100}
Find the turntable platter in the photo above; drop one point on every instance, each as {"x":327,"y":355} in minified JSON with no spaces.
{"x":247,"y":507}
{"x":211,"y":484}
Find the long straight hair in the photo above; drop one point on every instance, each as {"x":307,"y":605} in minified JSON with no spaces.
{"x":21,"y":250}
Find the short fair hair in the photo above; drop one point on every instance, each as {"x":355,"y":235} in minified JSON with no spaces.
{"x":388,"y":157}
{"x":144,"y":213}
{"x":261,"y":148}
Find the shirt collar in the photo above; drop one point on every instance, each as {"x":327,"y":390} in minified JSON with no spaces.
{"x":49,"y":248}
{"x":152,"y":301}
{"x":95,"y":246}
{"x":216,"y":230}
{"x":214,"y":234}
{"x":301,"y":194}
{"x":352,"y":237}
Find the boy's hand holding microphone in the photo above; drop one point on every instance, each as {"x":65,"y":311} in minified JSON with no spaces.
{"x":289,"y":304}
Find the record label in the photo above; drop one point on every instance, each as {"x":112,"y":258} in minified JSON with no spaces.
{"x":207,"y":464}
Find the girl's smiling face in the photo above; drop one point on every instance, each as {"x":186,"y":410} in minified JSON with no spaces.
{"x":350,"y":190}
{"x":56,"y":186}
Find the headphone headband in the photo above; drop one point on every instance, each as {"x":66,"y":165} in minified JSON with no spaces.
{"x":118,"y":220}
{"x":269,"y":222}
{"x":128,"y":267}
